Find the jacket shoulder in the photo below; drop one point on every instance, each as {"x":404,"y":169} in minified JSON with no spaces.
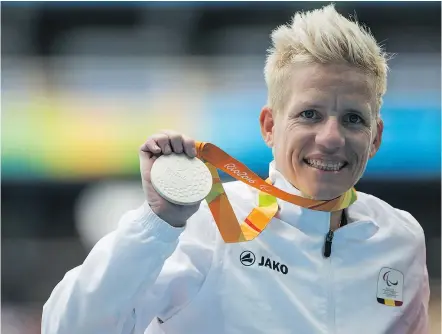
{"x":387,"y":215}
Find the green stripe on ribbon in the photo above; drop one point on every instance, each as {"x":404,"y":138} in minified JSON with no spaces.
{"x":266,"y":200}
{"x":217,"y":189}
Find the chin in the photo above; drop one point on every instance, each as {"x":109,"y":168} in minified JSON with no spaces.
{"x":323,"y":194}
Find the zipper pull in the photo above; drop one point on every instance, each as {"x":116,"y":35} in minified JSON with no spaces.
{"x":328,"y":243}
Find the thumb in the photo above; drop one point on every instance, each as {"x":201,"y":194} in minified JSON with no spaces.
{"x":146,"y":162}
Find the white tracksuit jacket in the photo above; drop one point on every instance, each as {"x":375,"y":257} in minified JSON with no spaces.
{"x":148,"y":277}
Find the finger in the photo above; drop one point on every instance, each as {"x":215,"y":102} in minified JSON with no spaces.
{"x":146,"y":163}
{"x":150,"y":146}
{"x":176,"y":141}
{"x":189,"y":146}
{"x":162,"y":140}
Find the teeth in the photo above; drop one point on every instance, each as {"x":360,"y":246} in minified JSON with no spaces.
{"x":325,"y":165}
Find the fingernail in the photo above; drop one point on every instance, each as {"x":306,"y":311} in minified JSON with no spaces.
{"x":167,"y":149}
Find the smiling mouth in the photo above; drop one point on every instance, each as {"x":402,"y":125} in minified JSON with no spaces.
{"x":327,"y":166}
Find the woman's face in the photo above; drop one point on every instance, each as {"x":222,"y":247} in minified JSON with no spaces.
{"x":327,"y":130}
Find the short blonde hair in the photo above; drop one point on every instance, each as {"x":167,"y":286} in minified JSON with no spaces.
{"x":322,"y":36}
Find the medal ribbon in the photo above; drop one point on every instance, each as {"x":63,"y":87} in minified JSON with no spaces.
{"x":230,"y":229}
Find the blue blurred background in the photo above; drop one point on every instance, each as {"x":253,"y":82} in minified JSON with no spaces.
{"x":85,"y":83}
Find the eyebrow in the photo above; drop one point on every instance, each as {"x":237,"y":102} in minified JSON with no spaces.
{"x":363,"y":113}
{"x":307,"y":106}
{"x":355,"y":111}
{"x":319,"y":106}
{"x":304,"y":106}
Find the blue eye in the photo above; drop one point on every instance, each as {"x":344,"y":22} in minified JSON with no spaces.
{"x":353,"y":119}
{"x":310,"y":114}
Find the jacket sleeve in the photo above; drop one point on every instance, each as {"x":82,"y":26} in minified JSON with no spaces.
{"x":131,"y":273}
{"x":419,"y":311}
{"x":415,"y":318}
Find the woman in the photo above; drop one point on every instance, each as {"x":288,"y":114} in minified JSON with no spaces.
{"x":165,"y":269}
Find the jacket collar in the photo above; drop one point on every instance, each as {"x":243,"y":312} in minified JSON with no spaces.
{"x":360,"y":224}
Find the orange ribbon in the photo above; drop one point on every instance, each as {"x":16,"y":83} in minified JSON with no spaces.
{"x":230,"y":229}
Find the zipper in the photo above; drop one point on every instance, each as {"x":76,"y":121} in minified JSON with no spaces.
{"x":328,"y":243}
{"x":329,"y":236}
{"x":330,"y":298}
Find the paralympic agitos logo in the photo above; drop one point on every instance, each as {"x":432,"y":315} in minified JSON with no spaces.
{"x":247,"y":259}
{"x":387,"y":279}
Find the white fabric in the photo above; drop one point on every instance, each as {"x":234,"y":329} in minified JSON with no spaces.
{"x":196,"y":284}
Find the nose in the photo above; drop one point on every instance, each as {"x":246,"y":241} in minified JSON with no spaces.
{"x":329,"y":136}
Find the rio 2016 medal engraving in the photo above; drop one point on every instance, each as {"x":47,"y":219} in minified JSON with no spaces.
{"x":181,"y":180}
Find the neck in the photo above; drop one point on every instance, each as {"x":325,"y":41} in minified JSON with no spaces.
{"x":335,"y":220}
{"x":280,"y":181}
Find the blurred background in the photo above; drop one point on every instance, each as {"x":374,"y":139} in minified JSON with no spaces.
{"x":85,"y":83}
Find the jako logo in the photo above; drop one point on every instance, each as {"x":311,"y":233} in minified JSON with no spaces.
{"x":232,"y":167}
{"x":247,"y":258}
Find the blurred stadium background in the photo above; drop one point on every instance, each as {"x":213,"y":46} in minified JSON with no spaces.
{"x":83,"y":84}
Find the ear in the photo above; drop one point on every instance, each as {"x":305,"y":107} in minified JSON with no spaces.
{"x":267,"y":123}
{"x":377,"y":139}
